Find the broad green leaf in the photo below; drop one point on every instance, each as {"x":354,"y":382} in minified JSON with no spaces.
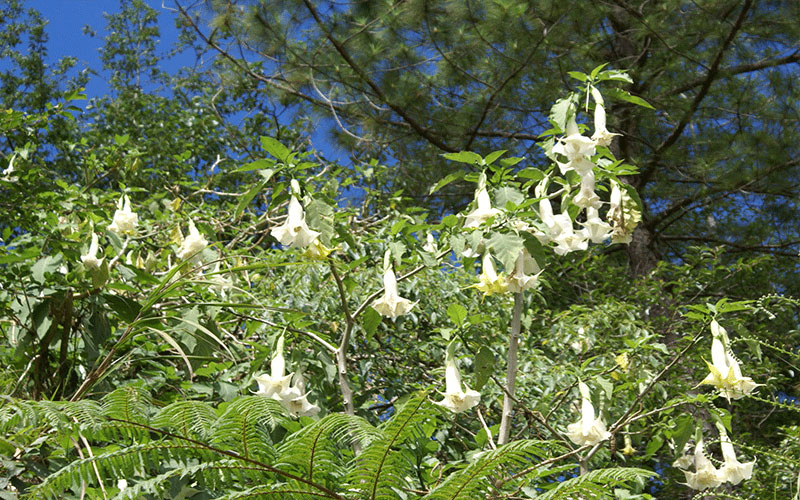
{"x":465,"y":157}
{"x":483,"y":366}
{"x":275,"y":148}
{"x":457,"y":314}
{"x":623,"y":95}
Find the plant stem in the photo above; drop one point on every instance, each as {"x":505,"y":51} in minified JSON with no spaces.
{"x":511,"y":371}
{"x":341,"y":352}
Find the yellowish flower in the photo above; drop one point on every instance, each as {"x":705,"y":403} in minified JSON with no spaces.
{"x":456,"y":398}
{"x":489,"y":282}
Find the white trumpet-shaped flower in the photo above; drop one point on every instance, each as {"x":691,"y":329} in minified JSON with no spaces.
{"x":125,"y":220}
{"x":526,"y":273}
{"x":391,"y":304}
{"x":276,"y":384}
{"x":489,"y":282}
{"x":586,"y":197}
{"x":588,"y":430}
{"x":705,"y":475}
{"x":574,"y":146}
{"x":456,"y":397}
{"x":725,"y":372}
{"x":597,"y":230}
{"x":192,"y":244}
{"x":295,"y":399}
{"x":732,"y":470}
{"x":294,"y":232}
{"x":483,"y":211}
{"x":601,"y":133}
{"x":90,"y":260}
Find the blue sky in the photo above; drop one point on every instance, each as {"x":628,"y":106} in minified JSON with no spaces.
{"x":67,"y":19}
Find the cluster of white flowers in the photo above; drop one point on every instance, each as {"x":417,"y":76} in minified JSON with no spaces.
{"x":276,"y":386}
{"x":705,"y":474}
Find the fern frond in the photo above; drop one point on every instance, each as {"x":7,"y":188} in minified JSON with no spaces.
{"x":598,"y":484}
{"x":245,"y":426}
{"x":317,"y":451}
{"x":466,"y":482}
{"x":275,"y":492}
{"x":126,"y":462}
{"x":129,"y":403}
{"x":381,"y":467}
{"x":189,"y":418}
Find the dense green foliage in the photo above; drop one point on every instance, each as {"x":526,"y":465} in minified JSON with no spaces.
{"x":141,"y":368}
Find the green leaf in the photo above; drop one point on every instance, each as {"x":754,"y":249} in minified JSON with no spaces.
{"x":121,"y":140}
{"x":684,"y":426}
{"x":248,"y":197}
{"x":275,"y":148}
{"x":370,"y":321}
{"x":597,"y":70}
{"x":465,"y":157}
{"x":493,"y":156}
{"x":581,"y":77}
{"x":506,"y":194}
{"x":656,"y":442}
{"x":255,"y":165}
{"x":506,"y":248}
{"x":483,"y":366}
{"x":623,"y":95}
{"x":457,"y":314}
{"x":561,"y":111}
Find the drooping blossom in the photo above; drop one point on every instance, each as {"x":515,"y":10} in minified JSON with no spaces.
{"x":317,"y":251}
{"x":125,"y":220}
{"x":90,"y":259}
{"x":623,"y":215}
{"x":294,"y":232}
{"x":526,"y":273}
{"x":192,"y":244}
{"x":295,"y":398}
{"x":586,"y":197}
{"x":725,"y":372}
{"x":489,"y":282}
{"x":705,"y":475}
{"x":597,"y":230}
{"x":574,"y":145}
{"x":601,"y":134}
{"x":483,"y":210}
{"x":732,"y":470}
{"x":456,"y":397}
{"x":276,"y":383}
{"x":588,"y":430}
{"x":391,"y":304}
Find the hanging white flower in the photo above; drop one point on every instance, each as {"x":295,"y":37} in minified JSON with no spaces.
{"x":705,"y":474}
{"x":430,"y":244}
{"x":601,"y":134}
{"x":276,"y":384}
{"x":725,"y":372}
{"x":588,"y":430}
{"x":125,"y":220}
{"x":732,"y":470}
{"x":489,"y":282}
{"x":456,"y":398}
{"x":295,"y":399}
{"x":526,"y":273}
{"x":483,"y":211}
{"x":597,"y":230}
{"x":574,"y":145}
{"x":391,"y":304}
{"x":294,"y":232}
{"x":192,"y":244}
{"x":90,"y":260}
{"x":586,"y":197}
